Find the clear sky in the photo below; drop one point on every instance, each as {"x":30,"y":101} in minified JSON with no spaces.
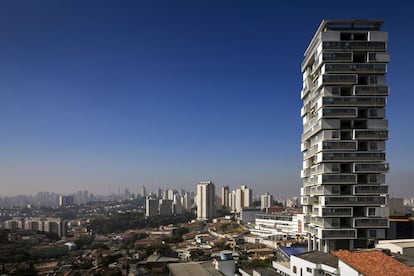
{"x":102,"y":95}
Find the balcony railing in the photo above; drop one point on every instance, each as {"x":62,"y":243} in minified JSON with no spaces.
{"x":339,"y":179}
{"x":356,"y":200}
{"x":371,"y":134}
{"x":380,"y":68}
{"x":325,"y":222}
{"x":370,"y":222}
{"x":336,"y":112}
{"x":339,"y":78}
{"x":355,"y":101}
{"x":353,"y":156}
{"x":337,"y":56}
{"x":370,"y":189}
{"x":337,"y":212}
{"x":355,"y":45}
{"x":339,"y":145}
{"x":339,"y":233}
{"x":371,"y":90}
{"x":368,"y":168}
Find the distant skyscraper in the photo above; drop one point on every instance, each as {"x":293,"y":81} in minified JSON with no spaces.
{"x":165,"y":207}
{"x":151,"y":206}
{"x":186,"y":201}
{"x":225,"y":196}
{"x":65,"y":201}
{"x":344,"y":132}
{"x":205,"y":200}
{"x":266,"y":201}
{"x":144,"y":191}
{"x":159,"y":193}
{"x":244,"y":198}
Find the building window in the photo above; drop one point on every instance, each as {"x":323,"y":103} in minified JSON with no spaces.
{"x":372,"y":233}
{"x":308,"y":269}
{"x":371,"y":212}
{"x":294,"y":269}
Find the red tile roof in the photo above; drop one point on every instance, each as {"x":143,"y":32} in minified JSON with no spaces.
{"x":373,"y":263}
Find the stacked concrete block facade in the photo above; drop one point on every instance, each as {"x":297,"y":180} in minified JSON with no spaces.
{"x":344,"y":194}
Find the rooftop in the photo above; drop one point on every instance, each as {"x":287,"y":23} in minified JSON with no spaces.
{"x":319,"y":257}
{"x":197,"y":268}
{"x":373,"y":263}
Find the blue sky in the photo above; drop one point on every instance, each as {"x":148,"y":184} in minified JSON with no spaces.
{"x":102,"y":95}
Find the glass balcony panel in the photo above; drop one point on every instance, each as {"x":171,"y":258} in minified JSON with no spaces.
{"x":371,"y":90}
{"x":339,"y":78}
{"x":336,"y":112}
{"x":338,"y":234}
{"x":356,"y":200}
{"x":337,"y":212}
{"x":376,"y":68}
{"x":371,"y":168}
{"x":351,"y":156}
{"x":370,"y":189}
{"x":339,"y":178}
{"x":336,"y":56}
{"x":370,"y":134}
{"x":355,"y":45}
{"x":354,"y":101}
{"x":370,"y":222}
{"x":339,"y":145}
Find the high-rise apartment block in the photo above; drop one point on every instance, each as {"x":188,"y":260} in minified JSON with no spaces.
{"x":225,"y":197}
{"x":344,"y":95}
{"x":266,"y":201}
{"x":206,"y":205}
{"x":65,"y":201}
{"x":151,"y":206}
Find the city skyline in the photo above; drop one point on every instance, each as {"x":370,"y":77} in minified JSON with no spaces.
{"x":164,"y":94}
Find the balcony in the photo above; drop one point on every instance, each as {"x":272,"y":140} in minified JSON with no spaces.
{"x":325,"y":168}
{"x":337,"y":212}
{"x":370,"y":223}
{"x":351,"y":156}
{"x":339,"y":79}
{"x":378,"y":57}
{"x":355,"y":101}
{"x":366,"y":134}
{"x":317,"y":127}
{"x":336,"y":56}
{"x":339,"y":112}
{"x":338,"y":234}
{"x":374,"y":68}
{"x":325,"y":222}
{"x":324,"y":190}
{"x":339,"y":145}
{"x":371,"y":90}
{"x":338,"y":179}
{"x":306,"y":200}
{"x":370,"y":189}
{"x":371,"y":168}
{"x":353,"y":201}
{"x":354,"y":45}
{"x":310,"y":229}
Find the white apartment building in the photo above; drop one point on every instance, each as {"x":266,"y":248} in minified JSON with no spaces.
{"x":344,"y":195}
{"x":240,"y":198}
{"x":206,"y":205}
{"x":266,"y":201}
{"x":46,"y":224}
{"x":278,"y":225}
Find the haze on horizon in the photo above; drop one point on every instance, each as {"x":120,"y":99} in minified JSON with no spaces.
{"x":102,"y":95}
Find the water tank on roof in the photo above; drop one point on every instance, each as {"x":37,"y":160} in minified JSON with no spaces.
{"x":226,"y":255}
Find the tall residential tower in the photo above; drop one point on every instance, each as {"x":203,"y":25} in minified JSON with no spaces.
{"x":344,"y":132}
{"x":206,"y":205}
